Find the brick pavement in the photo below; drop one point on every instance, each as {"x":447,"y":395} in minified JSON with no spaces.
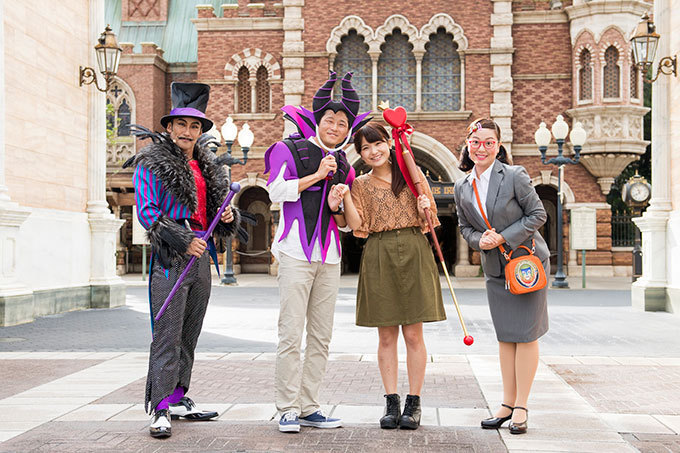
{"x":457,"y":392}
{"x":654,"y":443}
{"x":346,"y":382}
{"x":252,"y":437}
{"x":14,"y":379}
{"x":642,"y":389}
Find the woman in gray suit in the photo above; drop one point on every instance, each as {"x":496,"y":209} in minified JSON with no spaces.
{"x":515,"y":212}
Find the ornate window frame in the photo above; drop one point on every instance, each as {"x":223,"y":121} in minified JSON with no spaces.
{"x":619,"y":62}
{"x":123,"y":146}
{"x":252,"y":59}
{"x":639,"y":80}
{"x":418,"y":38}
{"x":578,"y":67}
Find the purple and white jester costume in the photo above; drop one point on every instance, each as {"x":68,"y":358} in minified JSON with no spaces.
{"x":307,"y":246}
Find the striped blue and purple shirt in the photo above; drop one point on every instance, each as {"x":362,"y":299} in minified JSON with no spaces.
{"x":153,"y":200}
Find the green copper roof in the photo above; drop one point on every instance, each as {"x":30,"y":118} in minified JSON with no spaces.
{"x":177,"y":36}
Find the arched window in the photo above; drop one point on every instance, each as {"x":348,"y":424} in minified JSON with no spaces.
{"x":262,"y":90}
{"x":243,"y":89}
{"x":120,"y":114}
{"x":441,"y":73}
{"x":634,"y":77}
{"x":124,"y":119}
{"x":611,"y":74}
{"x":353,"y":56}
{"x":585,"y":76}
{"x":397,"y":71}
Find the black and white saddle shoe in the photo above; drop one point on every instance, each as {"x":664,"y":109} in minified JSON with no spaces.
{"x":160,"y":424}
{"x":186,"y":408}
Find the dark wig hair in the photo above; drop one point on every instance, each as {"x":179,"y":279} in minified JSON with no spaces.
{"x":372,"y":133}
{"x":466,"y":164}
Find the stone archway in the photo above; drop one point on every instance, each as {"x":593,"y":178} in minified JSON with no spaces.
{"x":434,"y":151}
{"x":441,"y":165}
{"x":254,"y":256}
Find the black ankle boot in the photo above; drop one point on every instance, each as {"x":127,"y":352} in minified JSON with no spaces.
{"x":410,"y":418}
{"x":392,"y":412}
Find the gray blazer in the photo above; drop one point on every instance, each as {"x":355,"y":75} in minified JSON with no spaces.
{"x":513,"y":209}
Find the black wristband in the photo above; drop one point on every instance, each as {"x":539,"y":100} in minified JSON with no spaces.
{"x":340,"y":211}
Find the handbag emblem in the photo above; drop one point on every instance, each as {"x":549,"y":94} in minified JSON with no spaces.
{"x":526,"y":273}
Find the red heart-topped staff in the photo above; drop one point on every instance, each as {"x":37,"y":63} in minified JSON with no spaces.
{"x":407,"y":164}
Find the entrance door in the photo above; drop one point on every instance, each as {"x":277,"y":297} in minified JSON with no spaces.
{"x":254,"y":256}
{"x":548,"y":196}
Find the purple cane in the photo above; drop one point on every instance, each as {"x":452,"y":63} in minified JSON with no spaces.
{"x":233,"y":189}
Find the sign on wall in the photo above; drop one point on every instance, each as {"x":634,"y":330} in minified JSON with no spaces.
{"x":138,"y":231}
{"x":583,"y":229}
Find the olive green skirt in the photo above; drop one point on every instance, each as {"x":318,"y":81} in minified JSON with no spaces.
{"x":398,"y":281}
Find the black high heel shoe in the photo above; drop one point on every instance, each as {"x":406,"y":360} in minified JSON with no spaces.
{"x":496,"y":422}
{"x":520,"y":428}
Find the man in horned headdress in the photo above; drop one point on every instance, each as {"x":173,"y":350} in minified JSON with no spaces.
{"x":303,"y":168}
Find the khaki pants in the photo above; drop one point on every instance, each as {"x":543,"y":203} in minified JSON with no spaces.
{"x":308,"y":292}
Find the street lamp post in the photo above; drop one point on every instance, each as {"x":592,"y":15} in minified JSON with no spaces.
{"x":578,"y":137}
{"x":245,"y":139}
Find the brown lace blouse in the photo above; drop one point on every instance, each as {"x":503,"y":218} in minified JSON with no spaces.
{"x":380,"y":210}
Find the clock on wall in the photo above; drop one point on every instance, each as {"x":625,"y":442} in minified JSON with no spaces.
{"x":636,"y":191}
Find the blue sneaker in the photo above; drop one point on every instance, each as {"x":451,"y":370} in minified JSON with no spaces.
{"x":289,"y":422}
{"x":319,"y":420}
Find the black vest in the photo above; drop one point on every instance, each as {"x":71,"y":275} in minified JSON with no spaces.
{"x":307,"y":157}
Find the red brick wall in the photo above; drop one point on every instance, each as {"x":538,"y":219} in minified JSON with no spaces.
{"x":215,"y":50}
{"x":535,"y":5}
{"x":321,"y":17}
{"x":540,"y":49}
{"x":534,"y":101}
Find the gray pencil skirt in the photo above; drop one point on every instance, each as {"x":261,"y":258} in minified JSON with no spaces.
{"x":516,"y":318}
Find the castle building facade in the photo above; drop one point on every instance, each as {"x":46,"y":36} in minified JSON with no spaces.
{"x":447,"y":62}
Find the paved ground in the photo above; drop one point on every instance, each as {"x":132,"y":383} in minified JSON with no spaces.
{"x":609,"y":379}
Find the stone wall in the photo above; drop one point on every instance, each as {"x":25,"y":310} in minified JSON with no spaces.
{"x":46,"y":111}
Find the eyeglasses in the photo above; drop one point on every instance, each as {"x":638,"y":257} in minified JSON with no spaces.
{"x":488,"y":144}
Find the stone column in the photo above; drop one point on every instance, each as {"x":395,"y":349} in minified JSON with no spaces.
{"x":253,"y":95}
{"x":463,"y":267}
{"x":501,"y":63}
{"x":16,"y":300}
{"x":419,"y":79}
{"x":649,"y":291}
{"x":374,"y":79}
{"x":293,"y":57}
{"x":107,"y":289}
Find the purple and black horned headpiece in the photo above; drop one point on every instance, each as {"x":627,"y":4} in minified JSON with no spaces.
{"x":307,"y":121}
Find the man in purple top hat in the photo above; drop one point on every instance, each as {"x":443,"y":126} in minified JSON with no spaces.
{"x":303,"y":168}
{"x":179,"y":187}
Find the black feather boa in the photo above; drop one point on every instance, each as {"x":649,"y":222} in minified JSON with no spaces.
{"x":169,"y":164}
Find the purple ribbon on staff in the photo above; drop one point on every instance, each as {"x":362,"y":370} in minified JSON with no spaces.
{"x":233,"y":189}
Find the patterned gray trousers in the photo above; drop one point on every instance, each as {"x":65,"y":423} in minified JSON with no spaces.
{"x":175,"y":335}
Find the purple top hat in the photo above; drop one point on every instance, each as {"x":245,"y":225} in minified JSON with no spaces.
{"x":189,"y":100}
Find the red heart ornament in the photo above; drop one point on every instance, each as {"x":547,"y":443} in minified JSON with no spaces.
{"x":395,"y":118}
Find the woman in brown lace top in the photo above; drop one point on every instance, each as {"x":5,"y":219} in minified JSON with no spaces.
{"x":398,"y":281}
